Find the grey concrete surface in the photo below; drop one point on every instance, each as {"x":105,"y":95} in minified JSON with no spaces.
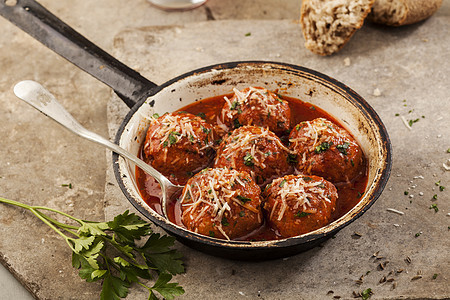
{"x":399,"y":71}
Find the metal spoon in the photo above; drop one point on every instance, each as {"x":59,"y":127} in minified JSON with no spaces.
{"x":37,"y":96}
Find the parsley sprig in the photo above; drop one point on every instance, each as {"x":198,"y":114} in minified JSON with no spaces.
{"x":108,"y":251}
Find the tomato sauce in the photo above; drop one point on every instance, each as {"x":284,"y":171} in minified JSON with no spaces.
{"x":349,"y":193}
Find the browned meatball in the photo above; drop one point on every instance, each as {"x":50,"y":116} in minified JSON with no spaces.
{"x":325,"y":149}
{"x":178,"y":145}
{"x":297,"y":204}
{"x":221,"y":203}
{"x":258,"y":107}
{"x":255,"y":150}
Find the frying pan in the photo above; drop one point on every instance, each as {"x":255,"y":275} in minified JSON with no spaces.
{"x":145,"y":98}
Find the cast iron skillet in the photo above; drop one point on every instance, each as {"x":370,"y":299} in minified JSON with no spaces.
{"x":144,"y":97}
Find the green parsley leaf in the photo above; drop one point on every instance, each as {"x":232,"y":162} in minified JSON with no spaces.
{"x":248,"y":160}
{"x":114,"y":288}
{"x":165,"y":289}
{"x":225,"y":221}
{"x":322,"y":147}
{"x":366,"y":294}
{"x":236,"y":123}
{"x":435,"y":207}
{"x":234,"y":104}
{"x":282,"y":183}
{"x":108,"y":251}
{"x":201,"y":115}
{"x":243,"y":199}
{"x":411,"y":122}
{"x":292,"y":158}
{"x":343,"y":148}
{"x":173,"y":137}
{"x":301,"y":214}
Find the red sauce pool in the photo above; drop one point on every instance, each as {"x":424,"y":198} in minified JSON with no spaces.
{"x":349,"y":193}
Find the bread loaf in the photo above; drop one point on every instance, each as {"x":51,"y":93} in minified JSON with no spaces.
{"x":328,"y":25}
{"x":402,"y":12}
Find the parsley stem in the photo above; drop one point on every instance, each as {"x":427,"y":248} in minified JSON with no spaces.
{"x":61,"y":225}
{"x":59,"y":212}
{"x":34,"y":210}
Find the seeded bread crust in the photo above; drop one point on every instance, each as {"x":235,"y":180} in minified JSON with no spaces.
{"x":328,"y":25}
{"x":402,"y":12}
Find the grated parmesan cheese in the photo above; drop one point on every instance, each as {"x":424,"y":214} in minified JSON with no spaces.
{"x":299,"y":191}
{"x":214,"y":192}
{"x":269,"y":102}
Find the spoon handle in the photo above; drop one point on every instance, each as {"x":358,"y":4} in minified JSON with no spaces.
{"x":37,"y":96}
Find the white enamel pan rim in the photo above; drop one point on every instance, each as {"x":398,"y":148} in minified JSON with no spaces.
{"x":193,"y":83}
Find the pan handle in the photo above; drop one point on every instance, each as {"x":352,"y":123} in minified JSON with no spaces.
{"x":41,"y":24}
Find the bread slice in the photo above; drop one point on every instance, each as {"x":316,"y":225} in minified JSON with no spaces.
{"x":402,"y":12}
{"x":328,"y":25}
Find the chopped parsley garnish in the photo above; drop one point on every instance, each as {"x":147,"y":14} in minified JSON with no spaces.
{"x":225,"y":221}
{"x":435,"y":207}
{"x":234,"y":104}
{"x":236,"y":123}
{"x":343,"y":148}
{"x":298,"y":127}
{"x":155,"y":115}
{"x":212,"y":233}
{"x":248,"y":160}
{"x":248,"y":34}
{"x":411,"y":122}
{"x":301,"y":214}
{"x":206,"y":130}
{"x":418,"y":234}
{"x":243,"y":199}
{"x":322,"y":147}
{"x":405,"y":193}
{"x":173,"y":137}
{"x":434,"y":196}
{"x":366,"y":294}
{"x":201,"y":115}
{"x":241,"y":214}
{"x":292,"y":158}
{"x":67,"y":185}
{"x":282,"y":183}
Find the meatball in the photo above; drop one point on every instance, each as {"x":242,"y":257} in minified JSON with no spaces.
{"x":178,"y":145}
{"x":221,"y":203}
{"x":327,"y":150}
{"x":258,"y":107}
{"x":297,"y":204}
{"x":255,"y":150}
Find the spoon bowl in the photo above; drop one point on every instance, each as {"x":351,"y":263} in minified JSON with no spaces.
{"x":41,"y":99}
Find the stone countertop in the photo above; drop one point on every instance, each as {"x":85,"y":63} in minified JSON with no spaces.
{"x":397,"y":70}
